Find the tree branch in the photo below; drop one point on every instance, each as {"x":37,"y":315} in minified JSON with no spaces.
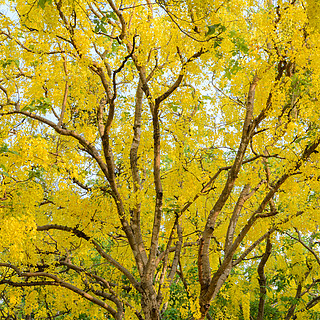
{"x":81,"y":234}
{"x":60,"y":283}
{"x":262,"y":279}
{"x":203,"y":253}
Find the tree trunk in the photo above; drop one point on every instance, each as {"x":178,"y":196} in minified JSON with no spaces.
{"x":150,"y":304}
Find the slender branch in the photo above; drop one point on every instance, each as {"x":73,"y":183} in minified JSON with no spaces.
{"x":204,"y":269}
{"x":154,"y":107}
{"x":177,"y":83}
{"x":28,"y":284}
{"x":28,"y":49}
{"x":253,"y":246}
{"x":89,"y":147}
{"x":262,"y":278}
{"x":208,"y":186}
{"x":244,"y":195}
{"x":258,"y":241}
{"x":299,"y":239}
{"x":292,"y":308}
{"x":136,"y":223}
{"x":65,"y":96}
{"x":60,"y":283}
{"x":165,"y":256}
{"x":100,"y":109}
{"x":126,"y":58}
{"x":81,"y":234}
{"x":120,"y":16}
{"x":176,"y":257}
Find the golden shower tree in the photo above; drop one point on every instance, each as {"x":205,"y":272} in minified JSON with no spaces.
{"x":154,"y":152}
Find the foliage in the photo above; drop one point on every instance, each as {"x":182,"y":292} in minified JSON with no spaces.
{"x":159,"y":160}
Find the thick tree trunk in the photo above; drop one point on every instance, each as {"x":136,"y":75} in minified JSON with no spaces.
{"x":150,"y":304}
{"x":150,"y":309}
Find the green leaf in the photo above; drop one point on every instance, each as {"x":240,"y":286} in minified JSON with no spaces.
{"x":46,"y":101}
{"x":110,"y":14}
{"x":126,"y":115}
{"x":5,"y":173}
{"x":212,"y":29}
{"x":215,"y":28}
{"x":42,"y":3}
{"x":217,"y":43}
{"x":173,"y":107}
{"x":36,"y":172}
{"x":228,"y":74}
{"x":239,"y":42}
{"x":102,"y":28}
{"x":42,"y":105}
{"x":4,"y":170}
{"x":243,"y":47}
{"x":232,"y":68}
{"x":4,"y":149}
{"x":300,"y":139}
{"x":16,"y":62}
{"x":5,"y":63}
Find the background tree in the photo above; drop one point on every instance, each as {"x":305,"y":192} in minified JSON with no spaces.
{"x":152,"y":150}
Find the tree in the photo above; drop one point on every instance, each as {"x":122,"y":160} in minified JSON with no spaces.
{"x":152,"y":150}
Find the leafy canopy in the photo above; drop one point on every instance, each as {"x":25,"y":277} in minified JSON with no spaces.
{"x":159,"y":160}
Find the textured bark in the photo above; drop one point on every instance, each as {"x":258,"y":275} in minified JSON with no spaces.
{"x":149,"y":304}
